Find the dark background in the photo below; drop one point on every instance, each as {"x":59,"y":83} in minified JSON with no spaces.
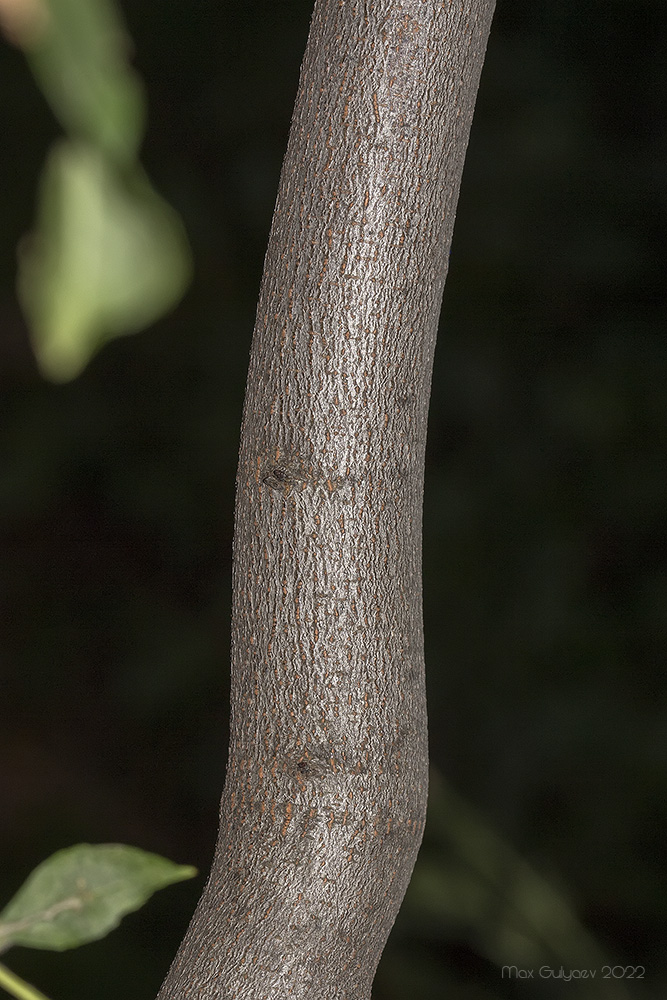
{"x":545,"y":572}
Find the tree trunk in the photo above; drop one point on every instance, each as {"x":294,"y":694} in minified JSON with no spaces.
{"x":325,"y":796}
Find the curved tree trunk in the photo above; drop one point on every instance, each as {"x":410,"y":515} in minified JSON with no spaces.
{"x":325,"y":796}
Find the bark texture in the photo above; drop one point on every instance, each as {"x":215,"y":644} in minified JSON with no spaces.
{"x":325,"y":796}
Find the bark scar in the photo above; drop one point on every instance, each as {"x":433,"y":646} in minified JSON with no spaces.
{"x":282,"y":479}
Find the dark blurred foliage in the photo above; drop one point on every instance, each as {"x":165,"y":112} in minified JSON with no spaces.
{"x":545,"y":573}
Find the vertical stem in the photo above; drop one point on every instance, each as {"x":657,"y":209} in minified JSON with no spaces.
{"x":325,"y":796}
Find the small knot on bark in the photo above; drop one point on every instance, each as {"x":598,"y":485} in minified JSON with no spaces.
{"x":281,"y":478}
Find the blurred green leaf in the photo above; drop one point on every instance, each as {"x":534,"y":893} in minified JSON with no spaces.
{"x":476,"y":887}
{"x":79,"y":58}
{"x":108,"y":257}
{"x":81,"y":893}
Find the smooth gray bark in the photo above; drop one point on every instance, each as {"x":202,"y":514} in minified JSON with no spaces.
{"x":325,"y":796}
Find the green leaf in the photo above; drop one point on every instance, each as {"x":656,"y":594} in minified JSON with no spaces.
{"x":108,"y":257}
{"x":81,"y":893}
{"x":80,"y":60}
